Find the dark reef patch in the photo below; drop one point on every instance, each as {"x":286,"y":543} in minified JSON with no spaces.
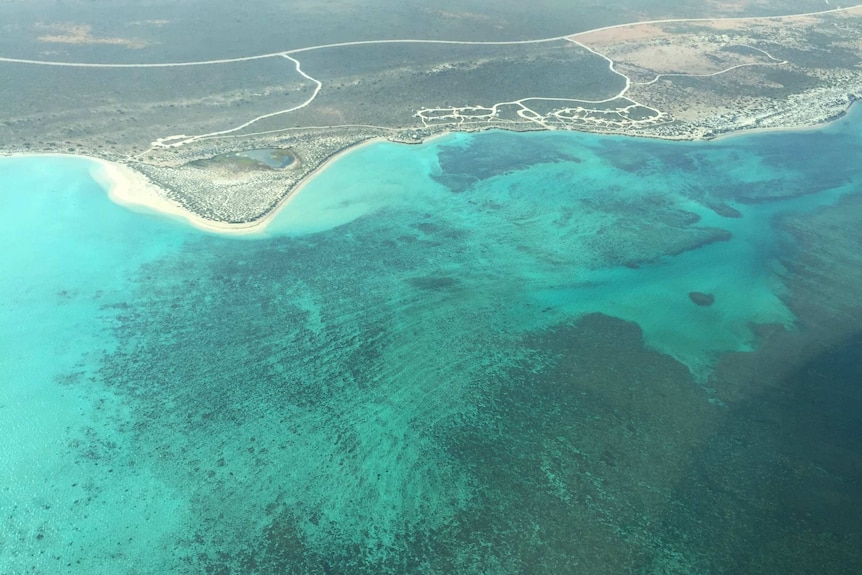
{"x":702,"y":299}
{"x":562,"y":463}
{"x":433,"y":282}
{"x":494,"y":154}
{"x":564,"y":456}
{"x":724,"y":210}
{"x":777,"y":484}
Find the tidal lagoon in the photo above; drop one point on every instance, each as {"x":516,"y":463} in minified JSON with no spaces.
{"x":491,"y":353}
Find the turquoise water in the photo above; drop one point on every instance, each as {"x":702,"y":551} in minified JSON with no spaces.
{"x":478,"y":355}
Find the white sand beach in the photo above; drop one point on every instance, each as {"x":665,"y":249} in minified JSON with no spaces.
{"x":131,"y":189}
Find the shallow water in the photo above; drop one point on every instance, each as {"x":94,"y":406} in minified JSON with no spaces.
{"x":271,"y":157}
{"x":485,"y":360}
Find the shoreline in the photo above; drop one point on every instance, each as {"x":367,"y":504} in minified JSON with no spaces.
{"x":779,"y":129}
{"x":146,"y":194}
{"x":132,"y":190}
{"x":262,"y":223}
{"x":127,"y":187}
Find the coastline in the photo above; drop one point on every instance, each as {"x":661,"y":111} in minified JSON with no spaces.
{"x":262,"y":223}
{"x":767,"y":130}
{"x":779,"y":129}
{"x":131,"y":189}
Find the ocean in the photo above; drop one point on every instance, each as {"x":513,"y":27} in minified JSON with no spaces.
{"x":490,"y":353}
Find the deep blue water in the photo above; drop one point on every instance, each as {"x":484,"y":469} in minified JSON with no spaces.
{"x":478,"y":355}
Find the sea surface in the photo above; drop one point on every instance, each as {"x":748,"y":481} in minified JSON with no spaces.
{"x":491,"y":353}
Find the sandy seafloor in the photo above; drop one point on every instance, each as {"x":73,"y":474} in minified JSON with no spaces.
{"x":478,"y":355}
